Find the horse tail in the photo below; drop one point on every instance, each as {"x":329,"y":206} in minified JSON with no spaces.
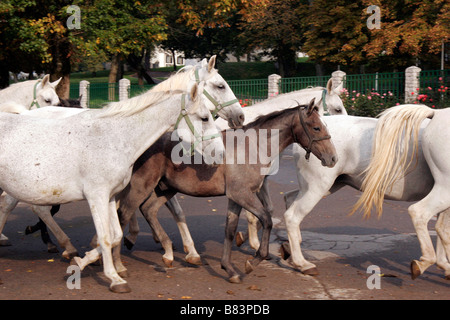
{"x":389,"y":161}
{"x":12,"y":107}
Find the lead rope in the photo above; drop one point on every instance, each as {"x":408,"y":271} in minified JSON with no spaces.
{"x":35,"y":102}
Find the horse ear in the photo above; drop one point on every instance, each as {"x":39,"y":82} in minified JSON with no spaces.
{"x":194,"y":92}
{"x":45,"y":80}
{"x":329,"y":85}
{"x":203,"y":63}
{"x":55,"y":83}
{"x":311,"y":106}
{"x":211,"y":63}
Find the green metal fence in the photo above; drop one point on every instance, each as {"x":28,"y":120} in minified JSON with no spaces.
{"x":294,"y":84}
{"x":388,"y":82}
{"x":434,"y":84}
{"x":251,"y":90}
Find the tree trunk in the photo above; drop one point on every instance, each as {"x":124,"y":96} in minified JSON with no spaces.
{"x":60,"y":67}
{"x":112,"y":78}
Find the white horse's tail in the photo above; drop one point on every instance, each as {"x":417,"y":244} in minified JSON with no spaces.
{"x":389,"y":161}
{"x":12,"y":107}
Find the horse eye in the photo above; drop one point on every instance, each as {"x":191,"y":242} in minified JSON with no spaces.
{"x":205,"y":119}
{"x":221,"y":86}
{"x":317,"y":129}
{"x":47,"y":100}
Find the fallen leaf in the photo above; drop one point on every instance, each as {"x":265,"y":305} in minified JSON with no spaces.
{"x":214,"y":210}
{"x":8,"y":270}
{"x":51,"y":260}
{"x":254,"y":287}
{"x":230,"y":292}
{"x":186,"y":297}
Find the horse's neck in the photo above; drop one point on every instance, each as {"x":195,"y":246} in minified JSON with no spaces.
{"x":278,"y":130}
{"x":21,"y":93}
{"x":137,"y":132}
{"x":283,"y":101}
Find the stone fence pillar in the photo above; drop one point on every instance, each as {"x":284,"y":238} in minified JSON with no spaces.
{"x":337,"y":79}
{"x":124,"y":89}
{"x":412,"y":82}
{"x":84,"y":93}
{"x":274,"y":81}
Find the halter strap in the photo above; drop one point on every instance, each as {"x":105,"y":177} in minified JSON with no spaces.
{"x":324,"y":103}
{"x":198,"y":138}
{"x":35,"y":102}
{"x":219,"y":106}
{"x":311,"y":140}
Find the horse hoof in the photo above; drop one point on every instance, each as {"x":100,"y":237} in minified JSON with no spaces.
{"x":285,"y":251}
{"x":167,"y":262}
{"x":28,"y":230}
{"x":415,"y":270}
{"x":120,"y":288}
{"x":52,"y":249}
{"x":68,"y":255}
{"x":235,"y":279}
{"x":194,"y":260}
{"x":311,"y":272}
{"x":239,"y":239}
{"x":248,"y":267}
{"x":447,"y":277}
{"x":128,"y":244}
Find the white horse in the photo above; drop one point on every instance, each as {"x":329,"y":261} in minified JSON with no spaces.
{"x":92,"y":156}
{"x":333,"y":105}
{"x":31,"y":94}
{"x":353,"y":138}
{"x":326,"y":99}
{"x":217,"y":96}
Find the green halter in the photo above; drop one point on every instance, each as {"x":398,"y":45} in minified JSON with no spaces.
{"x":198,"y":138}
{"x":324,"y":103}
{"x":35,"y":102}
{"x":219,"y":106}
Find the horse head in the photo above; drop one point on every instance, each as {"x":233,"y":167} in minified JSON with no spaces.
{"x":44,"y":93}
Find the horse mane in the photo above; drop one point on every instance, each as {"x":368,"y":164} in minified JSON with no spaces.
{"x":267,"y":117}
{"x":178,"y":80}
{"x":136,"y":104}
{"x":390,"y":149}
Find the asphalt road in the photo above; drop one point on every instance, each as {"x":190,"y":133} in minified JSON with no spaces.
{"x":342,"y":247}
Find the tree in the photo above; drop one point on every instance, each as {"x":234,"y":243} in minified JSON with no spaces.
{"x":410,"y":31}
{"x":119,"y":29}
{"x":277,"y":27}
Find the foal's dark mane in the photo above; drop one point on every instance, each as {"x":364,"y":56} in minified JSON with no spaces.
{"x":267,"y":117}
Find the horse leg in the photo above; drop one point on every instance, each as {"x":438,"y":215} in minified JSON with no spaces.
{"x":44,"y":213}
{"x":7,"y":205}
{"x":253,"y":223}
{"x":232,"y":221}
{"x":133,"y":231}
{"x":192,"y":256}
{"x":249,"y":200}
{"x":150,"y":211}
{"x":421,"y":213}
{"x":40,"y":225}
{"x":443,"y":242}
{"x":109,"y":234}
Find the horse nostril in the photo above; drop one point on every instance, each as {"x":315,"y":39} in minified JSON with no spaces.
{"x":241,"y":118}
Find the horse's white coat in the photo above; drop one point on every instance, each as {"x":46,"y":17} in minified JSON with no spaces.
{"x":23,"y":93}
{"x":427,"y":182}
{"x":90,"y":156}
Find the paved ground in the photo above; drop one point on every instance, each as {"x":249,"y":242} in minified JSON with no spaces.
{"x":342,"y":247}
